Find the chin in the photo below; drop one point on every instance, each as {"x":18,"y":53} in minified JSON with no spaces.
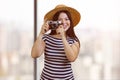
{"x":66,"y":29}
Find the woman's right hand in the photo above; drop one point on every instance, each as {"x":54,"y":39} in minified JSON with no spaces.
{"x":45,"y":27}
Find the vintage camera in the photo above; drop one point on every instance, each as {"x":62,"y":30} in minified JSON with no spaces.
{"x":54,"y":24}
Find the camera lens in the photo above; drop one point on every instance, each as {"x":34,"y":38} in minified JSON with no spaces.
{"x":54,"y":24}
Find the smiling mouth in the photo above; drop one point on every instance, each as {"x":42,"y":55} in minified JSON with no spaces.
{"x":64,"y":25}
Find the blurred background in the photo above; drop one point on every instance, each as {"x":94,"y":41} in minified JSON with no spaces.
{"x":98,"y":31}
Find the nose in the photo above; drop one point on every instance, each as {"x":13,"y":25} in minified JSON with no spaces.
{"x":63,"y":21}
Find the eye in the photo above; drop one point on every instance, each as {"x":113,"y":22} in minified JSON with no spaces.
{"x":59,"y":20}
{"x":67,"y":19}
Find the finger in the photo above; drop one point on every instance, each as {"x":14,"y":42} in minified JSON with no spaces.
{"x":58,"y":32}
{"x":45,"y":20}
{"x":44,"y":29}
{"x":61,"y":26}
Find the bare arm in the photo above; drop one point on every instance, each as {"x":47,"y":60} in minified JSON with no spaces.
{"x":71,"y":51}
{"x":39,"y":45}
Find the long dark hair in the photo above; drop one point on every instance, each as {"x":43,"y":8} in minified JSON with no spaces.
{"x":70,"y":32}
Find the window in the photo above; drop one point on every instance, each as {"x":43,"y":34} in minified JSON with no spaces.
{"x":16,"y":39}
{"x":99,"y":35}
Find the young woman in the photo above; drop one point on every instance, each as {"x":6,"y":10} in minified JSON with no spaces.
{"x":61,"y":46}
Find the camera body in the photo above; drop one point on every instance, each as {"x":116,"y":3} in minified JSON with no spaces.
{"x":53,"y":25}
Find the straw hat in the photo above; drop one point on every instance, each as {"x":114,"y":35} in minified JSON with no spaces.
{"x":74,"y":13}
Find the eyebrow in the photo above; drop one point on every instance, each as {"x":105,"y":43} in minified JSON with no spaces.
{"x":64,"y":18}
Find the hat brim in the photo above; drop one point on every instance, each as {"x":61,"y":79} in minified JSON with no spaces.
{"x":75,"y":15}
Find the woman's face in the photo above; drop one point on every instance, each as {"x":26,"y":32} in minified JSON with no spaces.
{"x":65,"y":20}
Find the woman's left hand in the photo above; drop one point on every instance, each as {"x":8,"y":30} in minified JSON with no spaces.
{"x":60,"y":30}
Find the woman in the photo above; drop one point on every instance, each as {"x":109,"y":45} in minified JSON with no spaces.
{"x":60,"y":46}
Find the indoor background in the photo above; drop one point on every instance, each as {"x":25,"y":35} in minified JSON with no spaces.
{"x":98,"y":31}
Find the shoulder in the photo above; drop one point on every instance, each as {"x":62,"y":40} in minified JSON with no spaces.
{"x":74,"y":42}
{"x":45,"y":36}
{"x":71,"y":40}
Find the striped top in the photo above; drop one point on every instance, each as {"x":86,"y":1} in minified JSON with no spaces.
{"x":56,"y":64}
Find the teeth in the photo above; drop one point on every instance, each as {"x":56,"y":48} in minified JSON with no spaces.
{"x":64,"y":24}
